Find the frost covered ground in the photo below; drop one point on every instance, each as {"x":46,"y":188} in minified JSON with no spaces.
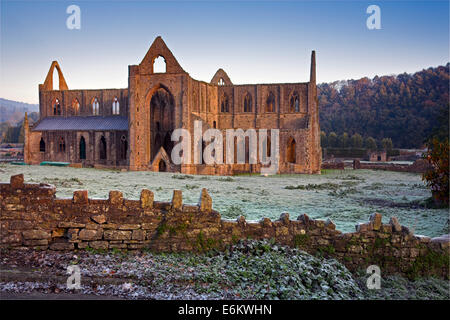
{"x":248,"y":270}
{"x":346,"y":197}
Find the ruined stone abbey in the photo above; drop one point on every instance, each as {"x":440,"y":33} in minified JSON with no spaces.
{"x":131,"y":128}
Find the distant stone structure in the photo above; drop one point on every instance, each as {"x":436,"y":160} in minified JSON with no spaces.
{"x":131,"y":128}
{"x":377,"y":156}
{"x":419,"y":166}
{"x":32,"y":217}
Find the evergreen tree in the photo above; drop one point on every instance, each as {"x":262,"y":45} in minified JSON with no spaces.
{"x":371,"y":144}
{"x":357,"y":141}
{"x":387,"y":144}
{"x":323,"y":139}
{"x":332,"y":140}
{"x":344,"y":140}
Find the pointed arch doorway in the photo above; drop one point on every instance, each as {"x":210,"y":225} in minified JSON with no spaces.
{"x":82,"y":149}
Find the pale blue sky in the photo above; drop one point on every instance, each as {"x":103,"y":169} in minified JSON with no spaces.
{"x":254,"y":42}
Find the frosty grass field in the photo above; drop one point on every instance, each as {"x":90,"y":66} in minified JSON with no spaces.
{"x":346,"y":197}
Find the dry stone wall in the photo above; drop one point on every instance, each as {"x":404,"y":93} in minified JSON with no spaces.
{"x":31,"y":216}
{"x":419,"y":166}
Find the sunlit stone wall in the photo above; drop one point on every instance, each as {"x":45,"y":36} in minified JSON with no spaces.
{"x":31,"y":216}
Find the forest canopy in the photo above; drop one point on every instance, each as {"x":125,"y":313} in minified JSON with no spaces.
{"x":404,"y":107}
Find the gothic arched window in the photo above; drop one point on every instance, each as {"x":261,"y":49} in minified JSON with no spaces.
{"x":115,"y":106}
{"x":270,"y":103}
{"x":42,"y":145}
{"x":123,"y":147}
{"x":248,"y":103}
{"x":294,"y":103}
{"x":103,"y":148}
{"x":62,"y":145}
{"x":56,"y":108}
{"x":82,"y":148}
{"x":95,"y":107}
{"x":75,"y":106}
{"x":290,"y":151}
{"x":159,"y":65}
{"x":224,"y":105}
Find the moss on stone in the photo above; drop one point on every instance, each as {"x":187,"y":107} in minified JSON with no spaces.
{"x":301,"y":240}
{"x":430,"y":262}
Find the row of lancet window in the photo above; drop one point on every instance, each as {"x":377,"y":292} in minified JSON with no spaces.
{"x":82,"y":147}
{"x":294,"y":103}
{"x":57,"y":111}
{"x":290,"y":148}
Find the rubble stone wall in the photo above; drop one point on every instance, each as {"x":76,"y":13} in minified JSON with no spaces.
{"x":31,"y":216}
{"x":419,"y":166}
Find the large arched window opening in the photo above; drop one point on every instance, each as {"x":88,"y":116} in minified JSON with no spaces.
{"x":290,"y":151}
{"x":270,"y":103}
{"x":55,"y":79}
{"x":102,"y":148}
{"x":224,"y":105}
{"x":162,"y":113}
{"x":62,"y":145}
{"x":82,"y":148}
{"x":248,"y":103}
{"x":159,"y":65}
{"x":221,"y":82}
{"x":294,"y":103}
{"x":42,"y":145}
{"x":115,"y":106}
{"x":95,"y":107}
{"x":56,"y":108}
{"x":123,"y":148}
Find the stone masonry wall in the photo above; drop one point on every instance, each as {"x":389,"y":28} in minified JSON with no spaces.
{"x":31,"y":216}
{"x":419,"y":166}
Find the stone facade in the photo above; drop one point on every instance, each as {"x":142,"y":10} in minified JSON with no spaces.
{"x":156,"y":103}
{"x":376,"y":156}
{"x":31,"y":216}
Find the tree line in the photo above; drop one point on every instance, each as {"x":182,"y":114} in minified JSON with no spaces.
{"x":356,"y":141}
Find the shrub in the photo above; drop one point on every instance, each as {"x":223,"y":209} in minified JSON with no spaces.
{"x":437,"y":177}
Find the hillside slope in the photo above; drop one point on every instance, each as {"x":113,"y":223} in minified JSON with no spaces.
{"x":13,"y":111}
{"x":403,"y":107}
